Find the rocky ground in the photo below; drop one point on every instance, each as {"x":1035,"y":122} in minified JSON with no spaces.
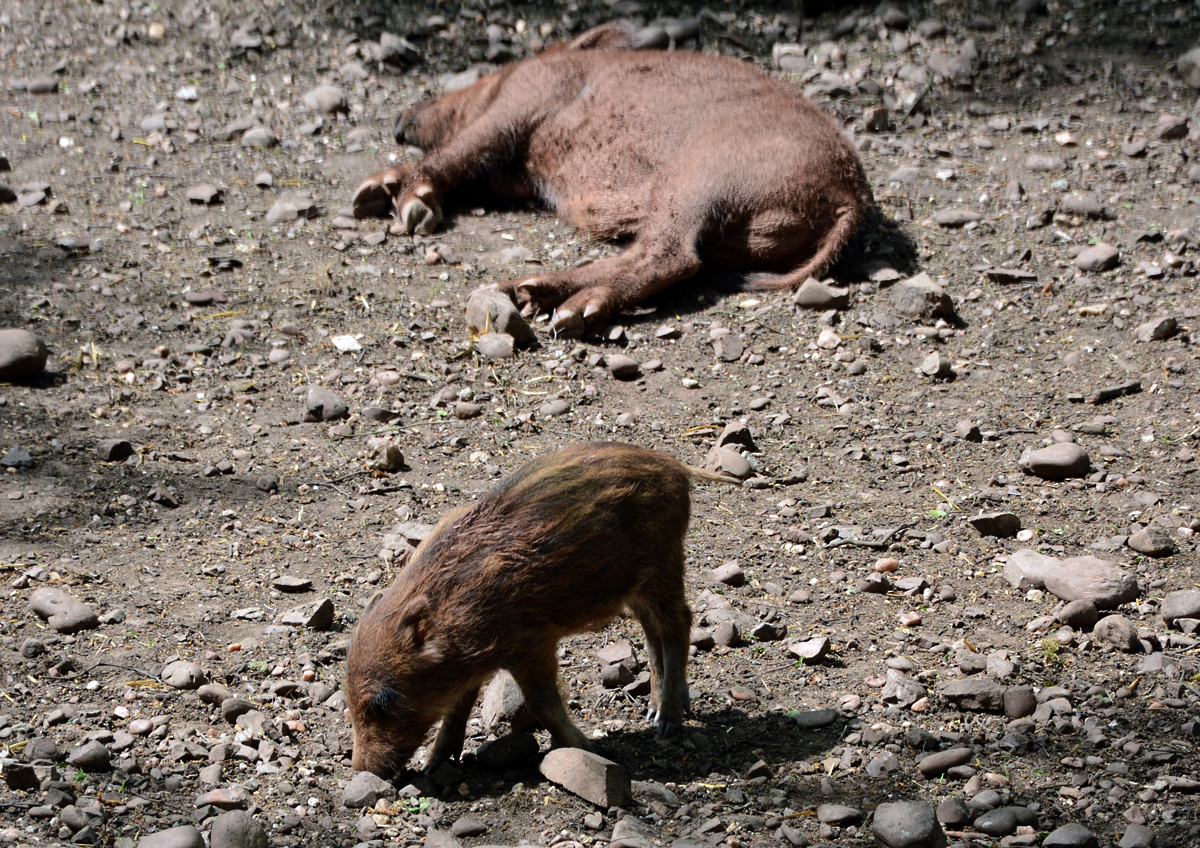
{"x":254,"y":405}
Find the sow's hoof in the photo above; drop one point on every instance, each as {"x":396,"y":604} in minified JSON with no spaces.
{"x":419,"y":210}
{"x":376,"y":196}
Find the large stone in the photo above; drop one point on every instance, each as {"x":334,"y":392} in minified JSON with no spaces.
{"x":64,"y":613}
{"x":815,"y":295}
{"x":364,"y":789}
{"x":907,"y":824}
{"x":90,"y":756}
{"x":902,"y":690}
{"x":507,"y":752}
{"x":1056,"y":462}
{"x":921,"y":297}
{"x":1118,"y":632}
{"x":588,"y":775}
{"x":1073,"y":835}
{"x":937,"y":764}
{"x":176,"y":837}
{"x":503,"y":702}
{"x":22,"y":355}
{"x":237,"y":829}
{"x":321,"y":404}
{"x":491,"y":311}
{"x":1152,"y":541}
{"x":1000,"y":524}
{"x":315,"y":615}
{"x":181,"y":674}
{"x":292,"y":207}
{"x":1182,"y":604}
{"x":1076,"y":578}
{"x":975,"y":693}
{"x":326,"y":99}
{"x":1099,"y":257}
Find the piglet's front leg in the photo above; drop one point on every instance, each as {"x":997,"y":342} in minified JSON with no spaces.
{"x":395,"y":192}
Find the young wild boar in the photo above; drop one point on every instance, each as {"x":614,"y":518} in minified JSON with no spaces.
{"x":560,"y":547}
{"x":695,"y":159}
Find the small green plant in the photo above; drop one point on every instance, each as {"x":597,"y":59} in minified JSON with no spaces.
{"x":416,"y":805}
{"x":138,"y":195}
{"x":937,"y":513}
{"x":80,"y":776}
{"x":1050,"y":651}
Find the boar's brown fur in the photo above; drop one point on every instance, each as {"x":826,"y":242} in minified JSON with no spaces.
{"x":696,"y":159}
{"x":560,"y":547}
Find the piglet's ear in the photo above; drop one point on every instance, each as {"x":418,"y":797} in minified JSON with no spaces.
{"x":413,"y":625}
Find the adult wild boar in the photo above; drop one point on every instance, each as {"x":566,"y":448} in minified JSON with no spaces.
{"x":697,"y":160}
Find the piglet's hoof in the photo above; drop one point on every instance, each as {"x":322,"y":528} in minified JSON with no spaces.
{"x":420,"y":212}
{"x":666,"y":731}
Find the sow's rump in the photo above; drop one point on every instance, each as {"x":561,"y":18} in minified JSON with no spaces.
{"x":697,"y":160}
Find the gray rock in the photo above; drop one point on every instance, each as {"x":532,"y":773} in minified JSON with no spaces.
{"x":812,"y":719}
{"x":20,"y":777}
{"x":1098,"y":257}
{"x":621,"y":366}
{"x":205,"y":194}
{"x":937,"y":366}
{"x":507,"y":751}
{"x":17,"y":457}
{"x":1004,"y":821}
{"x":730,"y":573}
{"x":1152,"y":541}
{"x":182,"y":674}
{"x":975,"y":693}
{"x":1056,"y":462}
{"x":1137,"y":836}
{"x":1188,"y":67}
{"x":811,"y":650}
{"x":1182,"y":604}
{"x":907,"y":824}
{"x":1118,"y":632}
{"x":1086,"y":205}
{"x":64,"y":613}
{"x":954,"y":218}
{"x":815,"y":295}
{"x":22,"y":355}
{"x":440,"y":839}
{"x":1073,"y":835}
{"x":588,"y":775}
{"x":901,"y":689}
{"x":237,"y":829}
{"x":466,"y":827}
{"x":728,"y":461}
{"x":496,"y":346}
{"x":177,"y":837}
{"x":952,"y":812}
{"x":91,"y":756}
{"x":326,"y":100}
{"x":1080,"y":614}
{"x":1042,"y":163}
{"x":838,"y":814}
{"x":1156,"y":330}
{"x":292,"y":206}
{"x":1019,"y":701}
{"x":113,"y":450}
{"x":259,"y":137}
{"x":1000,"y":524}
{"x":321,"y":404}
{"x":921,"y":297}
{"x":935,"y":765}
{"x":503,"y":703}
{"x":1077,"y":578}
{"x":315,"y":615}
{"x":364,"y":789}
{"x":491,"y":311}
{"x":729,"y":348}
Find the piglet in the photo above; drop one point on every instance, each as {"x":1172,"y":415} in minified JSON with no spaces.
{"x":560,"y":547}
{"x":696,"y":160}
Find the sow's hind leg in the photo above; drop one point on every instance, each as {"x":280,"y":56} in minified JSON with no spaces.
{"x":537,"y":676}
{"x":662,"y":254}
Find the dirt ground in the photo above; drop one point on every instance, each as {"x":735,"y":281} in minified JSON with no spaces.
{"x":193,"y":331}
